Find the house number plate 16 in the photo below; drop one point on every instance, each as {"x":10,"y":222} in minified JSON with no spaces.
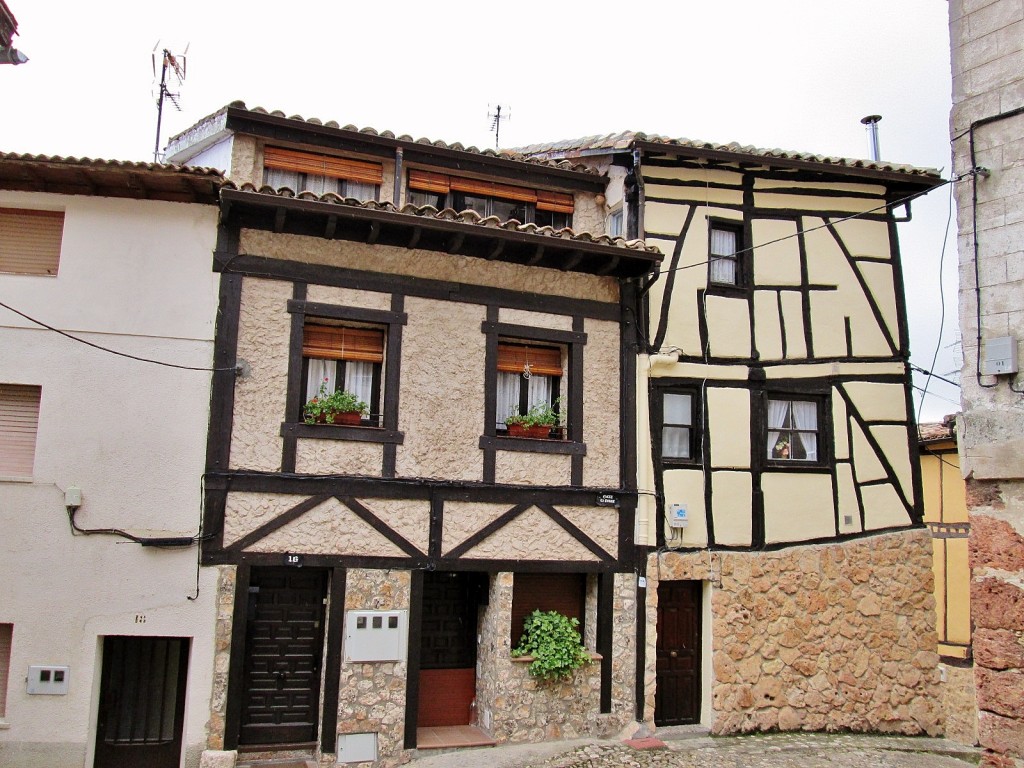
{"x":292,"y":559}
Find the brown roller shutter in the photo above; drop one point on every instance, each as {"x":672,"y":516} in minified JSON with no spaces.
{"x":19,"y":421}
{"x":323,"y":165}
{"x":492,"y":189}
{"x":30,"y":241}
{"x":554,"y":201}
{"x":331,"y":342}
{"x":545,"y":361}
{"x":562,"y":592}
{"x":425,"y":181}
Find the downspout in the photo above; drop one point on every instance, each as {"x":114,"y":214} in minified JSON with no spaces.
{"x":399,"y":157}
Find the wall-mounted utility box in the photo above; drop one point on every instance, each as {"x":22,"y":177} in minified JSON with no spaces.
{"x":678,"y":516}
{"x":357,"y":747}
{"x":49,"y":679}
{"x":999,"y":356}
{"x":376,"y":635}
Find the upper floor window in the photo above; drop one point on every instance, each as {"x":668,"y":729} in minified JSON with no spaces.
{"x":528,"y":376}
{"x":308,"y":172}
{"x":30,"y":241}
{"x":341,"y":357}
{"x":19,"y":421}
{"x":678,"y":427}
{"x":615,"y":223}
{"x":793,"y":430}
{"x":540,"y":207}
{"x":725,"y":266}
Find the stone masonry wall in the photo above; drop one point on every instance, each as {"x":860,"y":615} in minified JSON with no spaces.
{"x":221,"y":656}
{"x":514,"y":707}
{"x":826,"y":637}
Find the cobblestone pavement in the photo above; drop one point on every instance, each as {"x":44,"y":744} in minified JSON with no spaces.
{"x":791,"y":750}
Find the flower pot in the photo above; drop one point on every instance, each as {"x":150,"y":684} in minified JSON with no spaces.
{"x":516,"y":430}
{"x":538,"y":431}
{"x":348,"y":418}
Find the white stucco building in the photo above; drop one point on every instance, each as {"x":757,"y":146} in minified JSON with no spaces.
{"x":104,"y":639}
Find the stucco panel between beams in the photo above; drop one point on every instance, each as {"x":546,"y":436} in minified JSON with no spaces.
{"x":244,"y":512}
{"x":865,"y":462}
{"x":895,"y":441}
{"x":263,"y":336}
{"x":883,"y":508}
{"x":732,"y":498}
{"x":599,"y":523}
{"x":767,"y":327}
{"x":534,"y":319}
{"x":686,"y":486}
{"x":793,"y":319}
{"x":775,"y":263}
{"x":348,"y":297}
{"x":532,"y":468}
{"x":869,"y":189}
{"x":878,"y":402}
{"x":464,"y":518}
{"x":601,"y":404}
{"x":338,"y":457}
{"x":797,"y":507}
{"x":328,"y":529}
{"x":531,"y":536}
{"x":728,"y":326}
{"x":849,"y":505}
{"x":442,"y":390}
{"x":848,"y":205}
{"x":429,"y":265}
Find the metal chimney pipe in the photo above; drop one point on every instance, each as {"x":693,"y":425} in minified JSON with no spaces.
{"x":871,"y":123}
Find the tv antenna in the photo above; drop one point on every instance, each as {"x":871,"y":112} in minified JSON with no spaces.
{"x":496,"y":117}
{"x":175,"y":64}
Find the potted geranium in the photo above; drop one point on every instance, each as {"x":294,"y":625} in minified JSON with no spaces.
{"x":536,"y":422}
{"x":516,"y":423}
{"x":338,"y":407}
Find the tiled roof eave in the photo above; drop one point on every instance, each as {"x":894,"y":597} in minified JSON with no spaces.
{"x":462,"y":233}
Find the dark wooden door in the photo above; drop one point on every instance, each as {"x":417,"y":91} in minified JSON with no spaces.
{"x":448,"y":649}
{"x":677,"y":695}
{"x":142,"y":702}
{"x":283,"y":650}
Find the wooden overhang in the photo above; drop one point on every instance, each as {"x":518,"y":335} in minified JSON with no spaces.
{"x":842,"y":170}
{"x":286,"y":129}
{"x":109,"y":178}
{"x":379,"y":225}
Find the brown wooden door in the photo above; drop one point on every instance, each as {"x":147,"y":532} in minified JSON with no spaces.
{"x":677,"y":695}
{"x":142,"y":702}
{"x":447,"y":649}
{"x":283,"y":650}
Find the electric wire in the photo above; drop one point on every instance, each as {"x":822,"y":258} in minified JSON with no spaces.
{"x":108,"y":349}
{"x":933,"y":394}
{"x":934,"y":375}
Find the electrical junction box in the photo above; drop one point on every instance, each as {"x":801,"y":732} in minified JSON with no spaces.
{"x":999,"y":356}
{"x":357,"y":747}
{"x":376,"y":635}
{"x":49,"y":679}
{"x":678,"y":517}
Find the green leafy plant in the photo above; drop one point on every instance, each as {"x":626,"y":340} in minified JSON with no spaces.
{"x":554,"y":642}
{"x":323,"y":406}
{"x":539,"y":415}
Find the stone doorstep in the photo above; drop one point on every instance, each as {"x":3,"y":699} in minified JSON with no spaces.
{"x":681,"y":732}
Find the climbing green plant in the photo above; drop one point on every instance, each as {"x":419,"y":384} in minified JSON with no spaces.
{"x":554,"y":642}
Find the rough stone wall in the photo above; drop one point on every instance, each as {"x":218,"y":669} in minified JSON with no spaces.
{"x":371,"y":697}
{"x":825,"y":637}
{"x":987,"y":52}
{"x":514,"y":707}
{"x":221,"y":656}
{"x":959,"y":704}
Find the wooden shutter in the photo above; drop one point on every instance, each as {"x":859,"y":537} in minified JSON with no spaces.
{"x":6,"y":633}
{"x":562,"y":592}
{"x":425,"y":181}
{"x":323,"y":165}
{"x":493,"y":189}
{"x":545,"y":361}
{"x":19,"y":420}
{"x":30,"y":241}
{"x":332,"y":342}
{"x":558,"y":202}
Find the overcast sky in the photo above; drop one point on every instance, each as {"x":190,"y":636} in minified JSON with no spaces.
{"x":795,"y":74}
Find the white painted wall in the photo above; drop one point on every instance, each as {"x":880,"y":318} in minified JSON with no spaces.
{"x":134,"y":276}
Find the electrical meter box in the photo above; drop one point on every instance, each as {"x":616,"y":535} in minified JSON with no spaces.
{"x":376,"y":635}
{"x":999,"y":356}
{"x":49,"y":679}
{"x":357,"y":747}
{"x":678,"y":517}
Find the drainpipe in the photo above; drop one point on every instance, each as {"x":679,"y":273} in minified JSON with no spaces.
{"x":638,"y":219}
{"x":399,"y":157}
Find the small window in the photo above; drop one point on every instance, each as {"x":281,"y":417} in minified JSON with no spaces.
{"x":724,"y":263}
{"x":615,"y":223}
{"x":6,"y":635}
{"x":307,"y":172}
{"x":793,"y":430}
{"x":562,"y":592}
{"x":678,"y":429}
{"x":19,"y":421}
{"x":342,"y":357}
{"x":30,"y":241}
{"x":528,"y":375}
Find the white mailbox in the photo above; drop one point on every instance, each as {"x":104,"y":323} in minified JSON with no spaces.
{"x":376,"y":635}
{"x":50,"y":679}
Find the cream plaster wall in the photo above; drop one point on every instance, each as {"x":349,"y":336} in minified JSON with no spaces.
{"x":728,"y":326}
{"x":601,"y":404}
{"x":797,"y":507}
{"x":686,"y":486}
{"x":867,"y":189}
{"x":728,"y":412}
{"x":732,"y":500}
{"x":134,"y":276}
{"x":775,"y":263}
{"x":534,"y":319}
{"x":883,"y":508}
{"x":337,"y":457}
{"x":767,"y":326}
{"x":531,"y":536}
{"x":848,"y":503}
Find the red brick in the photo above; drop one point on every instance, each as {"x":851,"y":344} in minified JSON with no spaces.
{"x":998,"y":649}
{"x":995,"y":544}
{"x":997,"y":604}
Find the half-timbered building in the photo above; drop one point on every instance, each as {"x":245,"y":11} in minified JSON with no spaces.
{"x":788,"y":572}
{"x":374,"y":576}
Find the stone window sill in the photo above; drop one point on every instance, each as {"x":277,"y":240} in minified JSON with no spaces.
{"x":339,"y":432}
{"x":533,"y":445}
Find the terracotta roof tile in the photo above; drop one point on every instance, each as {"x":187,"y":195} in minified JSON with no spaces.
{"x":123,"y":165}
{"x":936,"y":431}
{"x":625,"y":140}
{"x":450,"y":214}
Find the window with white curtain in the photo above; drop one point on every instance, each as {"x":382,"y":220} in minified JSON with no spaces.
{"x":724,"y":266}
{"x":678,"y":428}
{"x":339,"y":357}
{"x":793,"y":430}
{"x":527,"y":375}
